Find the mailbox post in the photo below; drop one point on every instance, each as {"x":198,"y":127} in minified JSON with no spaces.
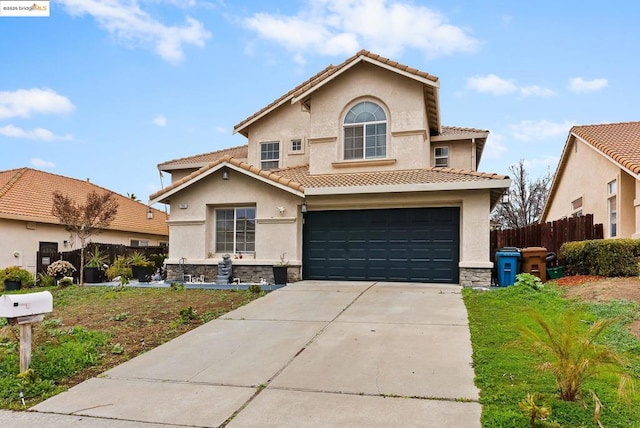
{"x":24,"y":310}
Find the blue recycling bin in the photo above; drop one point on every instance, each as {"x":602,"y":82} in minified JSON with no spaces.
{"x":508,"y":261}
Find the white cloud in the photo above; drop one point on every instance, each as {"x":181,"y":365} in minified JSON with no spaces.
{"x":491,"y":84}
{"x":536,"y":91}
{"x":532,"y":130}
{"x":35,"y":134}
{"x":581,"y":86}
{"x":341,"y":27}
{"x":25,"y":102}
{"x":131,"y":25}
{"x":42,"y":163}
{"x":494,"y":148}
{"x":496,"y":85}
{"x":221,"y":130}
{"x":160,"y":120}
{"x":543,"y":163}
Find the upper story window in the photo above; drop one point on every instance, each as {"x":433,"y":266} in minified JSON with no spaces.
{"x":270,"y":155}
{"x":441,"y":156}
{"x":365,"y":132}
{"x":296,"y":146}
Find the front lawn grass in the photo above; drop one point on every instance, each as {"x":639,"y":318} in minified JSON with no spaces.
{"x":506,"y":368}
{"x":93,"y":329}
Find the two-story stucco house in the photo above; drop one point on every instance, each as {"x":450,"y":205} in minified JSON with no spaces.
{"x":348,"y":176}
{"x":599,"y":174}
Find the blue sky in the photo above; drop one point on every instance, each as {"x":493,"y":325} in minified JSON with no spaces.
{"x":107,"y":89}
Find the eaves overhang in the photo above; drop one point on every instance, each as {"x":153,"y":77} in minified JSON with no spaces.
{"x":363,"y":58}
{"x":164,"y":197}
{"x":402,"y":188}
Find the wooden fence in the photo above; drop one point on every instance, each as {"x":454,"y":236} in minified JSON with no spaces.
{"x":111,"y":250}
{"x":548,"y":235}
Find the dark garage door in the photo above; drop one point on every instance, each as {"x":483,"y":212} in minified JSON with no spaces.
{"x":404,"y":244}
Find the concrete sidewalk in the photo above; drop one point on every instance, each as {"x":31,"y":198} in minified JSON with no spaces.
{"x":312,"y":354}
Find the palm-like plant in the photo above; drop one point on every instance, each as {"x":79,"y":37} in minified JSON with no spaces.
{"x":572,"y":354}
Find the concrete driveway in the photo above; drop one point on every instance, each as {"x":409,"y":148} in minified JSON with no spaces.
{"x":312,"y":354}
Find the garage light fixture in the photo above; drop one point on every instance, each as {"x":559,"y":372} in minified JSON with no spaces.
{"x":149,"y":214}
{"x":225,"y":173}
{"x":303,"y":207}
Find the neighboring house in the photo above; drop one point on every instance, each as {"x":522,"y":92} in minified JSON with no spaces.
{"x":28,"y":227}
{"x":348,"y":176}
{"x":599,"y":174}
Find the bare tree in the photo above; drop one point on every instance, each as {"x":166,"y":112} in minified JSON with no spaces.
{"x":526,"y":199}
{"x":85,"y":220}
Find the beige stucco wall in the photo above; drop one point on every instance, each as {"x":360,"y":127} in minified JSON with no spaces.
{"x":283,"y":124}
{"x":321,"y":128}
{"x":585,"y":175}
{"x":460,"y":153}
{"x":17,"y":238}
{"x":179,"y":174}
{"x":474,"y":215}
{"x":400,"y":97}
{"x":191,"y":230}
{"x":626,"y":209}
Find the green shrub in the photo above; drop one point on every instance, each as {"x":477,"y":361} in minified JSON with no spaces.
{"x":15,"y":273}
{"x":254,"y":288}
{"x":120,"y":267}
{"x":605,"y":257}
{"x":529,"y":280}
{"x":45,"y":280}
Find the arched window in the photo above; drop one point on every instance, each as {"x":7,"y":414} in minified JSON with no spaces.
{"x":365,"y":132}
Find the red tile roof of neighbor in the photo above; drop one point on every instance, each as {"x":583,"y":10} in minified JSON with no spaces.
{"x":27,"y":194}
{"x":619,"y":141}
{"x":298,"y":178}
{"x":326,"y":74}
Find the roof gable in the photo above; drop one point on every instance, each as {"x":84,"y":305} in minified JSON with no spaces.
{"x":304,"y":90}
{"x":619,"y":142}
{"x":27,"y":194}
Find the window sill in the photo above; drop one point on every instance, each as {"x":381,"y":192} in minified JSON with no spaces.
{"x":366,"y":162}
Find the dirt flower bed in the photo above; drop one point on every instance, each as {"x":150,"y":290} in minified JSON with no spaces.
{"x":602,"y":289}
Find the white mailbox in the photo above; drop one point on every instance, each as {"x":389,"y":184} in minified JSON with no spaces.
{"x":22,"y":305}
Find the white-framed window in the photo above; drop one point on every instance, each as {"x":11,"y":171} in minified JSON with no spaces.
{"x":612,"y":202}
{"x":365,"y":132}
{"x":235,"y":230}
{"x":139,"y":243}
{"x":296,"y":146}
{"x":441,"y":156}
{"x":576,"y":207}
{"x":270,"y":155}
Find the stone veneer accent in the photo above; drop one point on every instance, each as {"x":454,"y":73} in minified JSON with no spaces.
{"x":475,"y":277}
{"x":247,"y":273}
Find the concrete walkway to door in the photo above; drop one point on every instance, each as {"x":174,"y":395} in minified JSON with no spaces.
{"x":312,"y":354}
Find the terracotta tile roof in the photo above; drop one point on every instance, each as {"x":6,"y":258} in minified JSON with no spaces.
{"x":381,"y":178}
{"x":238,"y":152}
{"x":299,"y":179}
{"x":456,"y":130}
{"x":26,"y":193}
{"x":620,"y":141}
{"x":331,"y":70}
